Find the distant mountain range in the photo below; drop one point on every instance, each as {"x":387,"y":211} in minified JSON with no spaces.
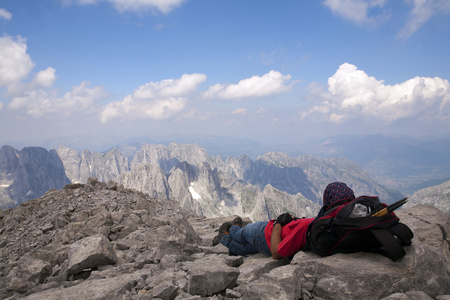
{"x":216,"y":185}
{"x":404,"y":164}
{"x":187,"y":173}
{"x":399,"y":163}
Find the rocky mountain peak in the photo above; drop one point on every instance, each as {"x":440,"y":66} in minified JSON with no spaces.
{"x":28,"y":174}
{"x":9,"y":160}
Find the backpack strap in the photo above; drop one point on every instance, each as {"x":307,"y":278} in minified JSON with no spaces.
{"x":392,"y":240}
{"x":403,"y":233}
{"x":391,"y":246}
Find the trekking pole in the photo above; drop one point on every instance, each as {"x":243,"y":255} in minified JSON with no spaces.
{"x":390,"y":208}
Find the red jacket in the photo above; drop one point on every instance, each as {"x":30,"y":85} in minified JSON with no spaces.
{"x":293,"y":236}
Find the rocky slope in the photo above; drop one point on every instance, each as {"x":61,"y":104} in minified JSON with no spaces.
{"x":102,"y":241}
{"x":28,"y":174}
{"x":437,"y":196}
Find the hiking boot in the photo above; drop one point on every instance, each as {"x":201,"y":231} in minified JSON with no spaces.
{"x":223,"y":229}
{"x":238,"y":221}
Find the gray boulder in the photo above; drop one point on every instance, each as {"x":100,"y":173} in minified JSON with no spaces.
{"x":98,"y":289}
{"x":208,"y":277}
{"x":28,"y":273}
{"x":413,"y":295}
{"x":257,"y":265}
{"x":34,"y":270}
{"x":284,"y":282}
{"x":90,"y":252}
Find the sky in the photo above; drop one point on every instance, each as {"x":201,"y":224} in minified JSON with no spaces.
{"x":272,"y":71}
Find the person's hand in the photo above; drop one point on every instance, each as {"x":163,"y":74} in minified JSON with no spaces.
{"x":284,"y":219}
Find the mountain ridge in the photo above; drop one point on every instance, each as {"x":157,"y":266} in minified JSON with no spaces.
{"x":220,"y":182}
{"x":28,"y":174}
{"x":208,"y":184}
{"x":401,"y":163}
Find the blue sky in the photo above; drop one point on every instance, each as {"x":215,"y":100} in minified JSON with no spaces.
{"x":273,"y":71}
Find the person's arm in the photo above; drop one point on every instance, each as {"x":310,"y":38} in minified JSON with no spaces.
{"x":275,"y":240}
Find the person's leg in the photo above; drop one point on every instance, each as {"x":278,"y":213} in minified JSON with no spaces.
{"x":238,"y":248}
{"x":252,"y":234}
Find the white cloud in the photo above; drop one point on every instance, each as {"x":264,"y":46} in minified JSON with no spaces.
{"x":239,"y":111}
{"x":257,"y":86}
{"x":352,"y":94}
{"x":370,"y":12}
{"x":194,"y":114}
{"x":154,"y":100}
{"x":358,"y":11}
{"x":33,"y":96}
{"x":5,"y":14}
{"x":45,"y":78}
{"x":39,"y":102}
{"x":170,"y":87}
{"x":15,"y":63}
{"x":164,"y":6}
{"x":421,"y":12}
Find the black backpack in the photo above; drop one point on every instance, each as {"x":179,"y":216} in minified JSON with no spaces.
{"x":347,"y":227}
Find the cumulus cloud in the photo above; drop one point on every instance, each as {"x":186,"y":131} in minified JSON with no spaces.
{"x":421,"y":12}
{"x":352,"y":93}
{"x":257,"y":86}
{"x":5,"y":14}
{"x":164,"y":6}
{"x":15,"y":63}
{"x":39,"y":102}
{"x":154,"y":100}
{"x":33,"y":96}
{"x":45,"y":78}
{"x":16,"y":66}
{"x":358,"y":11}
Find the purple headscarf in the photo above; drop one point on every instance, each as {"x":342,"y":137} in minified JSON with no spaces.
{"x":337,"y":191}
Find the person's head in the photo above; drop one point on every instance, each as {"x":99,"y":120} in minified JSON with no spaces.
{"x":337,"y":191}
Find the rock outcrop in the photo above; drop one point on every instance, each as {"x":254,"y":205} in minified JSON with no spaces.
{"x":437,"y":196}
{"x":28,"y":174}
{"x":103,"y":166}
{"x":103,"y":241}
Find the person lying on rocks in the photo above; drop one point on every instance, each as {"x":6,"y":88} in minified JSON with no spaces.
{"x":278,"y":238}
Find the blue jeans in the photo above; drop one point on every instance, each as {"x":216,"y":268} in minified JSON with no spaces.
{"x":247,"y":240}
